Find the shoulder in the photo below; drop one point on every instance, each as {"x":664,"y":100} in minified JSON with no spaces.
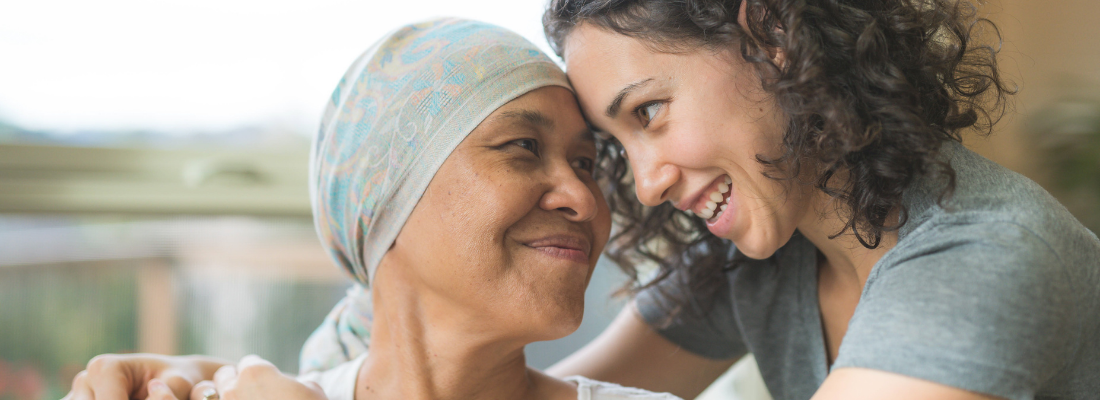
{"x":983,"y":261}
{"x":588,"y":389}
{"x":993,"y":212}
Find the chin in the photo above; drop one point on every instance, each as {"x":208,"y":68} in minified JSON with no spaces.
{"x":558,"y":320}
{"x":759,"y":246}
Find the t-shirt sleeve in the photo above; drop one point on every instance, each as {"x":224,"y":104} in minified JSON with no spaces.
{"x":712,"y":334}
{"x":984,"y":307}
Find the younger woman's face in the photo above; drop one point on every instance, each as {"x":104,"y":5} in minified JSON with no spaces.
{"x":692,"y":125}
{"x":510,"y":228}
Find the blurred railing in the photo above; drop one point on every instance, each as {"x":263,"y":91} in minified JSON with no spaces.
{"x":228,"y":286}
{"x":167,"y":251}
{"x":63,"y":179}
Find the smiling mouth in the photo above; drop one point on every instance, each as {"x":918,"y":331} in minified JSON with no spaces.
{"x":716,"y":200}
{"x":568,"y":247}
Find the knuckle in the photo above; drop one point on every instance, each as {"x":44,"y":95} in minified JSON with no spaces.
{"x":250,"y":372}
{"x":80,"y":378}
{"x":101,"y":362}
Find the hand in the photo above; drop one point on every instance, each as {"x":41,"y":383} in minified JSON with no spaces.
{"x":257,"y":379}
{"x":127,"y":376}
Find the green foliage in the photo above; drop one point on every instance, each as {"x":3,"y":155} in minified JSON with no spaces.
{"x":1068,"y":134}
{"x":55,"y":318}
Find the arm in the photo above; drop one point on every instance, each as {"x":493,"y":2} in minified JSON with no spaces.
{"x":860,"y":384}
{"x":631,"y":353}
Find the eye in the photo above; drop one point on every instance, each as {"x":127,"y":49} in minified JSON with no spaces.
{"x":648,"y":111}
{"x":531,"y":145}
{"x":585,"y":163}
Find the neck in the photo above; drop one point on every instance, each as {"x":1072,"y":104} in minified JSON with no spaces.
{"x":425,"y":348}
{"x":845,"y":257}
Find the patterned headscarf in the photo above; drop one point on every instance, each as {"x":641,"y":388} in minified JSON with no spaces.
{"x":398,"y":113}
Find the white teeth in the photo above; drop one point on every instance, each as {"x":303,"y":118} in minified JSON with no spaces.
{"x":711,"y":208}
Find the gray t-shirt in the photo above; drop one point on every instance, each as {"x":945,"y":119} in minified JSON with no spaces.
{"x":999,"y":293}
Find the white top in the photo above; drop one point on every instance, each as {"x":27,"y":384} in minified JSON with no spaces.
{"x":339,"y":384}
{"x":588,"y":389}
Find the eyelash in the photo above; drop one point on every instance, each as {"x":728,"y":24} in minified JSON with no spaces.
{"x":588,"y":165}
{"x":646,"y":119}
{"x":534,"y":146}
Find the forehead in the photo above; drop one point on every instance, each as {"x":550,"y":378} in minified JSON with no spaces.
{"x":592,"y":47}
{"x":603,"y":64}
{"x":600,"y":63}
{"x":550,"y":109}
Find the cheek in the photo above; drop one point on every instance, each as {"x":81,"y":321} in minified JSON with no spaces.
{"x":474,"y":212}
{"x":475,"y":209}
{"x":601,"y":226}
{"x":706,"y":134}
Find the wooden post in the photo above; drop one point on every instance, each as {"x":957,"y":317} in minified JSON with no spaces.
{"x":157,"y":321}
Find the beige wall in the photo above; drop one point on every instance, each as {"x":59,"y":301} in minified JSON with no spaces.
{"x":1051,"y":49}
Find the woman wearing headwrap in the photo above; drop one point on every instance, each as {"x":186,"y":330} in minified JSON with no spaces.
{"x":453,"y":175}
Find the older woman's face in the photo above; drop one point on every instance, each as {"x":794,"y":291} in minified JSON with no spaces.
{"x":692,"y":125}
{"x":512,"y":224}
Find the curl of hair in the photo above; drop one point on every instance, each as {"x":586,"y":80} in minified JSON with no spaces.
{"x":872,"y":89}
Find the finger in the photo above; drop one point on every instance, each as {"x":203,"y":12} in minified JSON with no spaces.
{"x":225,"y":378}
{"x":82,"y":393}
{"x":180,"y":385}
{"x":158,"y":390}
{"x":108,"y":388}
{"x":253,"y":360}
{"x":80,"y":389}
{"x":252,"y":369}
{"x":199,"y":391}
{"x":107,"y":379}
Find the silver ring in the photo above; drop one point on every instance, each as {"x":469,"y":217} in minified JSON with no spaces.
{"x":210,"y":394}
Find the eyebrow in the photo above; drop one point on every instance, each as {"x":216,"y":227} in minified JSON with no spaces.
{"x":531,"y":117}
{"x":613,"y":108}
{"x":541,"y":120}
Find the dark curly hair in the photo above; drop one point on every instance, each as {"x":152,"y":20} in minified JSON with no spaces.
{"x":872,"y":89}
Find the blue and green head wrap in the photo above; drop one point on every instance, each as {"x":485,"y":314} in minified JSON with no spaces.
{"x":396,"y":115}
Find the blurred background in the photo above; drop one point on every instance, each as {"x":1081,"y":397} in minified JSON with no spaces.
{"x":153,"y":168}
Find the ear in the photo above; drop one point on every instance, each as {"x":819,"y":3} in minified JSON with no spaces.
{"x":777,"y":55}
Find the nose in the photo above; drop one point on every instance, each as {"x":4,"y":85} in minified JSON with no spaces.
{"x":571,"y":196}
{"x":652,"y":177}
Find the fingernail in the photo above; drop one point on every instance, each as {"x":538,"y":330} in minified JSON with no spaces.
{"x":157,"y":385}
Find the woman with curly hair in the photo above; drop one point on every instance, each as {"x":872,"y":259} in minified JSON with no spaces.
{"x":794,"y":170}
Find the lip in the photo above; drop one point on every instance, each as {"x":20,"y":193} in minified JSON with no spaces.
{"x":570,"y":247}
{"x":696,"y":202}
